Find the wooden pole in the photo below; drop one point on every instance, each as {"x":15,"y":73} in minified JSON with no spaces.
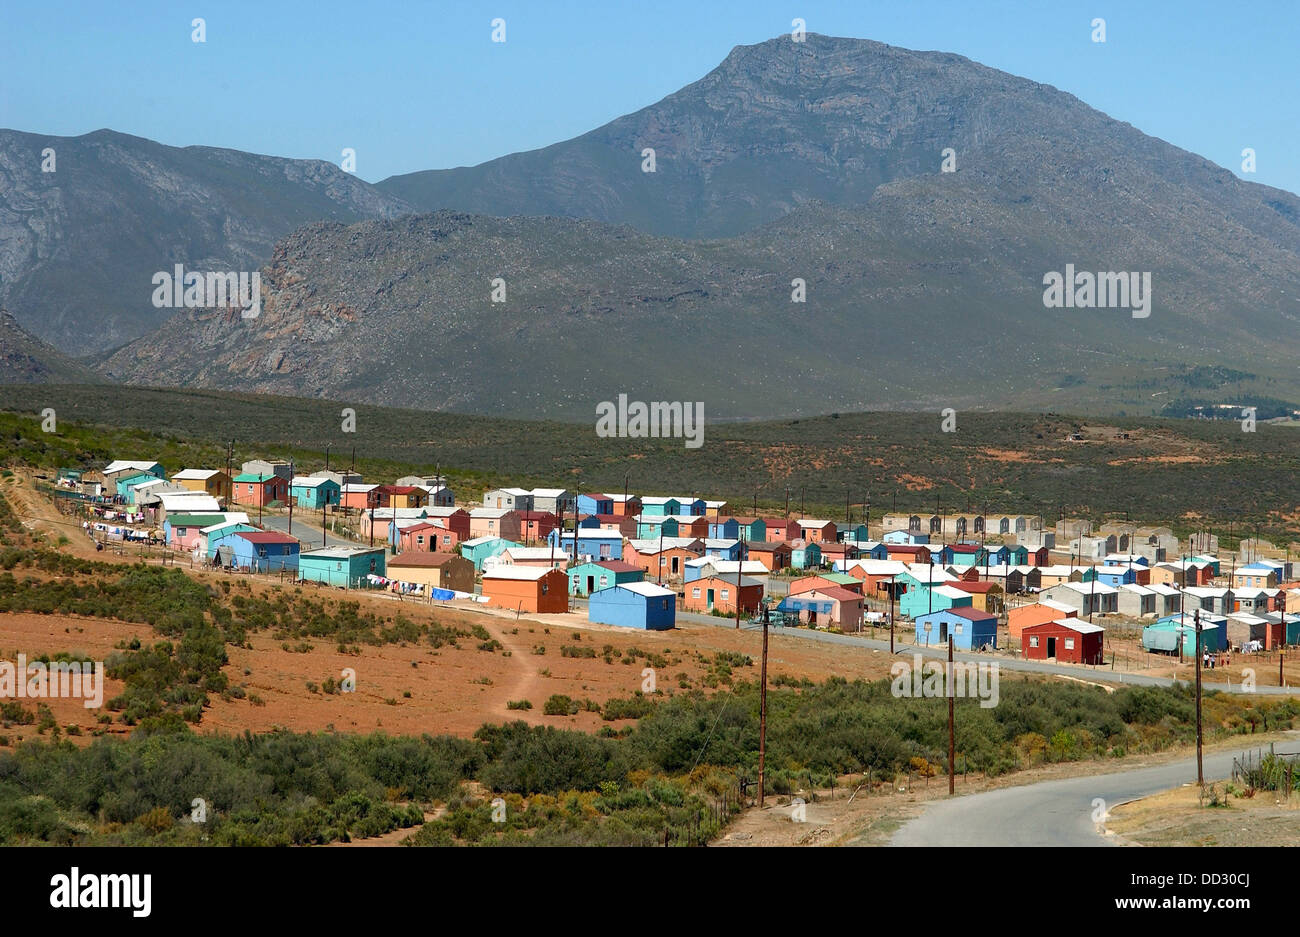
{"x":952,"y":734}
{"x":762,"y":716}
{"x":1200,"y":766}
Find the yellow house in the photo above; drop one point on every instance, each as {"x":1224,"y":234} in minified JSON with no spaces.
{"x":209,"y":481}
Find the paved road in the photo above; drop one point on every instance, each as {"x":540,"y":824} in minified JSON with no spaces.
{"x":1052,"y":813}
{"x":306,"y":528}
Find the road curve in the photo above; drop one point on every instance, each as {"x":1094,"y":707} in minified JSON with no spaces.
{"x":1052,"y":813}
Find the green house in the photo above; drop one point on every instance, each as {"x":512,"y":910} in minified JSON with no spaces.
{"x":341,"y":566}
{"x":586,"y":578}
{"x":648,"y":526}
{"x":483,"y":548}
{"x":660,"y":507}
{"x":921,"y":599}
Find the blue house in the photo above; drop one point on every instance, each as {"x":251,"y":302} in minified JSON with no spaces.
{"x":586,"y":578}
{"x":126,"y":482}
{"x":970,"y":628}
{"x":905,"y":537}
{"x":995,"y":555}
{"x":265,"y":551}
{"x":808,"y":556}
{"x":648,"y":526}
{"x":728,"y":528}
{"x":588,"y":522}
{"x":1115,"y":576}
{"x":871,"y":550}
{"x":342,"y":566}
{"x":851,"y":533}
{"x":595,"y":504}
{"x":314,"y":493}
{"x":696,"y":506}
{"x":1017,"y":556}
{"x":920,"y":599}
{"x":724,"y":549}
{"x":597,"y":544}
{"x":642,"y":605}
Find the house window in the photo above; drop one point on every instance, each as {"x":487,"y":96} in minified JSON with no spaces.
{"x":546,"y":587}
{"x":604,"y":580}
{"x":1069,"y":644}
{"x":726,"y":594}
{"x":956,"y":629}
{"x":1033,"y":640}
{"x":695,"y":592}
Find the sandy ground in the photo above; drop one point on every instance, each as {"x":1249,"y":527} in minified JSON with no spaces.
{"x":1182,"y":817}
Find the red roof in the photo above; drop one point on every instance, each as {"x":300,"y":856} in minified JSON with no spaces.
{"x":968,"y":586}
{"x":618,"y":566}
{"x":265,"y":536}
{"x":536,"y":515}
{"x":397,"y":489}
{"x":964,"y":548}
{"x":837,"y":593}
{"x":903,"y":548}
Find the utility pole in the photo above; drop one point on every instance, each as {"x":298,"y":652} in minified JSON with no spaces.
{"x":372,"y":524}
{"x":762,"y":714}
{"x":1200,"y":766}
{"x":892,"y":590}
{"x":575,"y":524}
{"x":230,"y":485}
{"x":739,"y":565}
{"x":261,"y":496}
{"x":327,"y":456}
{"x":291,"y":475}
{"x":661,"y":553}
{"x":787,"y":502}
{"x":952,"y":733}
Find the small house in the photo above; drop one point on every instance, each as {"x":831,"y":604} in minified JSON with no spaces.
{"x":527,"y":589}
{"x":970,"y":629}
{"x":347,"y":567}
{"x":435,"y":570}
{"x":1066,"y":640}
{"x":642,"y":605}
{"x":590,"y":577}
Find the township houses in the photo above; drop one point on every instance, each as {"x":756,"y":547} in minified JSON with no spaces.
{"x":479,"y":550}
{"x":622,"y":523}
{"x":837,"y":553}
{"x":425,"y":535}
{"x":379,"y":523}
{"x":436,"y":493}
{"x":716,"y":593}
{"x":825,"y":605}
{"x":400,"y":496}
{"x":878,"y":577}
{"x":649,"y":526}
{"x":526,"y":589}
{"x":595,"y":504}
{"x":985,"y":596}
{"x":263,"y":551}
{"x":435,"y":570}
{"x":204,"y":547}
{"x":922,"y":601}
{"x":592,"y":543}
{"x":593,"y":576}
{"x":267,"y":467}
{"x":212,"y":482}
{"x":963,"y":554}
{"x":557,"y":501}
{"x":626,"y":505}
{"x":1256,"y":576}
{"x":123,"y":468}
{"x":183,"y":531}
{"x":260,"y":489}
{"x":1176,"y":634}
{"x":909,"y":553}
{"x":826,"y":581}
{"x":1243,"y":628}
{"x":1086,"y":598}
{"x":313,"y":493}
{"x":536,"y":526}
{"x":780,"y":528}
{"x":642,"y":605}
{"x":969,"y":628}
{"x":723,"y":549}
{"x":774,"y":555}
{"x":494,"y":522}
{"x":705,"y":567}
{"x":664,"y":559}
{"x":166,"y":503}
{"x":508,"y":499}
{"x":815,"y":531}
{"x":1067,"y":640}
{"x":358,"y":497}
{"x":542,"y":557}
{"x":1044,"y":610}
{"x":1209,"y":598}
{"x":346,"y":567}
{"x":1054,"y":575}
{"x":341,"y":478}
{"x":805,"y":555}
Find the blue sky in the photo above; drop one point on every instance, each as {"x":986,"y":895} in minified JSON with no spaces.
{"x":420,"y":85}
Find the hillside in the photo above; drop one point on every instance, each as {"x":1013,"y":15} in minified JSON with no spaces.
{"x":924,"y":288}
{"x":25,"y":359}
{"x":78,"y":246}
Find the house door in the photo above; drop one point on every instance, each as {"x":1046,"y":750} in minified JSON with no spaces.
{"x":943,"y":632}
{"x":709,"y":598}
{"x":675,"y":561}
{"x":591,"y":584}
{"x":1051,"y":647}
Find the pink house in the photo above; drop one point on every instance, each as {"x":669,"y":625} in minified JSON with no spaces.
{"x":494,"y":522}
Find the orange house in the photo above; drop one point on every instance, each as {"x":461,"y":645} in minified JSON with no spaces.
{"x":808,"y":583}
{"x":401,"y":496}
{"x":1025,"y":616}
{"x":772,"y":554}
{"x":815,"y":531}
{"x":716,"y":594}
{"x":260,"y":489}
{"x":666,"y":564}
{"x":527,"y":588}
{"x":629,"y":505}
{"x":781,"y":529}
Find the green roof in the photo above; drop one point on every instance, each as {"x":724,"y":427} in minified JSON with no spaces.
{"x":249,"y":477}
{"x":841,"y":577}
{"x":195,"y":520}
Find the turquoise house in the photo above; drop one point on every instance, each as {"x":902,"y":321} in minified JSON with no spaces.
{"x":964,"y":555}
{"x":648,"y":526}
{"x":314,"y":493}
{"x":1177,"y":633}
{"x":342,"y":566}
{"x":808,"y":556}
{"x":920,"y":600}
{"x":586,"y":578}
{"x":483,"y":548}
{"x":1017,"y":556}
{"x":660,"y":507}
{"x":125,"y":483}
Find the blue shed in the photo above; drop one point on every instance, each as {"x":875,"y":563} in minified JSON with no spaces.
{"x":728,"y":528}
{"x":265,"y":551}
{"x":723,"y":549}
{"x":597,"y":544}
{"x":970,"y":628}
{"x":314,"y":493}
{"x":641,"y":605}
{"x":808,"y":556}
{"x":588,"y":578}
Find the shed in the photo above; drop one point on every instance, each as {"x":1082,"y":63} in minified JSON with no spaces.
{"x":527,"y":589}
{"x":641,"y":605}
{"x":970,"y":628}
{"x":1069,"y":640}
